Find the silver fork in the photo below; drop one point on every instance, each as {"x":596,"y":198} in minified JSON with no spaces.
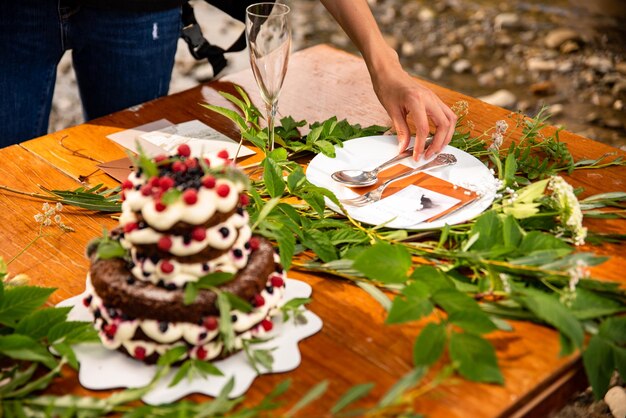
{"x":375,"y":195}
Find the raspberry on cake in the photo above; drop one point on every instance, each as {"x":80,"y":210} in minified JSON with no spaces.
{"x":184,"y":219}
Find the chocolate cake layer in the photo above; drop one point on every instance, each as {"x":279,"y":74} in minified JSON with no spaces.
{"x":114,"y":283}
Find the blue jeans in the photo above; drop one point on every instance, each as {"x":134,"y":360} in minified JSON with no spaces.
{"x":120,"y":58}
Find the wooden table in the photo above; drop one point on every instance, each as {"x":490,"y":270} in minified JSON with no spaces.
{"x":354,"y":345}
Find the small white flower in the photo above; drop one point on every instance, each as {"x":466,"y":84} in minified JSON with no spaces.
{"x":571,"y":217}
{"x":57,"y":219}
{"x":501,"y":126}
{"x":39,"y":218}
{"x":497,"y":141}
{"x":45,"y":206}
{"x":59,"y":207}
{"x":47,"y":222}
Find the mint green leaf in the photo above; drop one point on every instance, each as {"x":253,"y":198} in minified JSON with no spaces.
{"x":550,"y":310}
{"x":214,"y":279}
{"x":205,"y":368}
{"x":429,"y":344}
{"x":171,"y":196}
{"x":326,"y":148}
{"x":108,"y":249}
{"x":21,"y":347}
{"x":273,"y":178}
{"x":599,"y":363}
{"x":489,"y":227}
{"x":510,"y":168}
{"x":237,"y":303}
{"x":315,"y":392}
{"x":472,"y":321}
{"x":70,"y":332}
{"x":320,"y":244}
{"x":511,"y":231}
{"x":619,"y":356}
{"x":590,"y":305}
{"x":408,"y":309}
{"x":352,"y":395}
{"x":184,"y":371}
{"x":433,"y":278}
{"x":17,"y":302}
{"x":614,"y":330}
{"x":296,"y":179}
{"x":172,"y":355}
{"x":476,"y":358}
{"x":37,"y":324}
{"x":384,"y":262}
{"x":451,"y":300}
{"x":536,"y":240}
{"x":65,"y":350}
{"x":190,"y":293}
{"x":225,"y":324}
{"x":406,"y":382}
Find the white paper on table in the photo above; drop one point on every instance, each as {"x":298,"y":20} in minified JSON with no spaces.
{"x":405,"y":207}
{"x":164,"y":137}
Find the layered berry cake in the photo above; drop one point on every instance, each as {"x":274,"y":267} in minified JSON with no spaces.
{"x":182,"y":220}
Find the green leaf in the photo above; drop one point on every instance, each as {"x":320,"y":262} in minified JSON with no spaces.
{"x":451,"y":300}
{"x":71,"y":332}
{"x":405,"y":309}
{"x":18,"y":302}
{"x":265,"y":211}
{"x":536,"y":240}
{"x":433,"y":278}
{"x":273,"y":178}
{"x":407,"y":382}
{"x":37,"y":324}
{"x":315,"y":392}
{"x":296,"y":179}
{"x":378,"y":295}
{"x":384,"y":262}
{"x":352,"y":395}
{"x":476,"y":358}
{"x":237,"y":303}
{"x":614,"y":330}
{"x":472,"y":321}
{"x":206,"y":368}
{"x":214,"y":279}
{"x":429,"y":345}
{"x":590,"y":305}
{"x":488,"y":226}
{"x":512,"y":232}
{"x":550,"y":310}
{"x":171,"y":196}
{"x":110,"y":249}
{"x":184,"y":371}
{"x":599,"y":364}
{"x":320,"y":244}
{"x":171,"y":356}
{"x":225,"y":324}
{"x":21,"y":347}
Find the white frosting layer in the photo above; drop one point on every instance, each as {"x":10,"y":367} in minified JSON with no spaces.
{"x":190,"y":272}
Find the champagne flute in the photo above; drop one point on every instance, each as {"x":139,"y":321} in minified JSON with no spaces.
{"x":269,"y":41}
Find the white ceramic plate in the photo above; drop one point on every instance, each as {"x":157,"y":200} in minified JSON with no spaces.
{"x":105,"y":369}
{"x":368,"y":152}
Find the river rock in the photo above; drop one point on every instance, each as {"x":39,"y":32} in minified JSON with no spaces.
{"x":621,"y":67}
{"x":600,"y":64}
{"x":568,"y":47}
{"x":408,"y":49}
{"x":506,"y":21}
{"x":502,"y":98}
{"x":556,"y":37}
{"x":618,"y":105}
{"x":538,"y":64}
{"x":487,"y":79}
{"x":436,"y":73}
{"x":602,"y":100}
{"x":613,"y":123}
{"x":618,"y":88}
{"x":461,"y":66}
{"x":426,"y":15}
{"x":565,"y":66}
{"x":543,"y":88}
{"x":556,"y":109}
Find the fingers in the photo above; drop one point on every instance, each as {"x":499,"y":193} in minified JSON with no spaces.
{"x":442,"y":134}
{"x":403,"y":132}
{"x":420,"y":118}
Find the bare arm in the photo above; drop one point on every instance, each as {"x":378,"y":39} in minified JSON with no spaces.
{"x":397,"y":91}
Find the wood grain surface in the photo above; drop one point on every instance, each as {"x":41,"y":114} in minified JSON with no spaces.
{"x":354,"y":346}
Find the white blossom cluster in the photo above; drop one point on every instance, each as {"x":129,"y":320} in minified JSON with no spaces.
{"x":498,"y":135}
{"x":50,"y":214}
{"x":571,"y":217}
{"x":577,"y":272}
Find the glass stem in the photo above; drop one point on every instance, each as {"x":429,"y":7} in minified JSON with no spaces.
{"x":271,"y":115}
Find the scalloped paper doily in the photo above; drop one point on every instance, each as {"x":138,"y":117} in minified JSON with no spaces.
{"x":106,"y":369}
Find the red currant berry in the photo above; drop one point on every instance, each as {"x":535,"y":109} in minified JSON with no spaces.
{"x":127,"y":184}
{"x":223,"y":190}
{"x":258,"y":300}
{"x":110,"y":330}
{"x":179,"y":166}
{"x":244,"y":199}
{"x":267,"y":324}
{"x":164,"y":243}
{"x":167,"y":267}
{"x":159,"y":206}
{"x":254,"y":243}
{"x":198,"y":234}
{"x":210,"y":323}
{"x":123,"y":195}
{"x":159,"y":158}
{"x":166,"y":183}
{"x":184,"y":150}
{"x":223,"y":154}
{"x":208,"y":182}
{"x":130,"y":227}
{"x":277,"y":281}
{"x":207,"y":162}
{"x":191,"y":163}
{"x":140,"y":353}
{"x":154,"y":181}
{"x":190,"y":196}
{"x":146,"y":190}
{"x":201,"y":353}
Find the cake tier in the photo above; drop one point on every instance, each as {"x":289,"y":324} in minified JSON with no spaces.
{"x":144,"y":320}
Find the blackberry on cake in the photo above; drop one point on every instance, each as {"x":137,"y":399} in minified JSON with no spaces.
{"x":187,"y":270}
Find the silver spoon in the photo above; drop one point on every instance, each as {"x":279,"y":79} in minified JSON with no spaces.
{"x":363,"y":178}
